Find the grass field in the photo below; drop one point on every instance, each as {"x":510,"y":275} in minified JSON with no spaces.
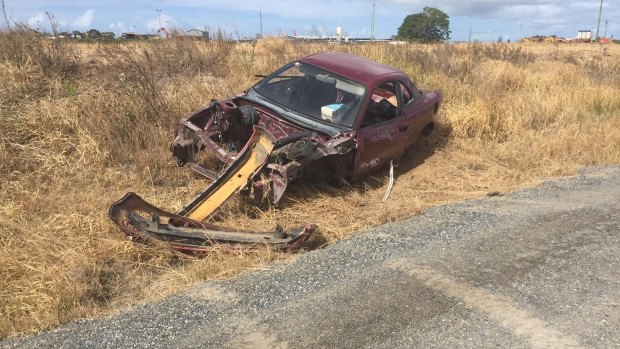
{"x":82,"y":123}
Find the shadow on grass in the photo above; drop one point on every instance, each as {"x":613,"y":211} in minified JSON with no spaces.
{"x":423,"y":149}
{"x":415,"y":155}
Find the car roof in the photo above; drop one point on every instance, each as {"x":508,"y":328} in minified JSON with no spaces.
{"x":351,"y":66}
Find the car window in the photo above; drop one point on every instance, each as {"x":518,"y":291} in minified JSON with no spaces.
{"x":314,"y":93}
{"x":408,"y":96}
{"x":382,"y":106}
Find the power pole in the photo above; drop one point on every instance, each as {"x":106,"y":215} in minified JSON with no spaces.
{"x":372,"y":24}
{"x":598,"y":24}
{"x":53,"y":23}
{"x":605,"y":35}
{"x":260,"y":15}
{"x":469,"y":39}
{"x":159,"y":17}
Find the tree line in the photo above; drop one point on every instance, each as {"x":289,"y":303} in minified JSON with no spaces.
{"x":430,"y":25}
{"x":92,"y":34}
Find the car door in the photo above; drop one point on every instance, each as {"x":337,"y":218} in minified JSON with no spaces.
{"x":416,"y":111}
{"x":384,"y":137}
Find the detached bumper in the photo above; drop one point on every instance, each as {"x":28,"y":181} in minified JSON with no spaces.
{"x":185,"y":234}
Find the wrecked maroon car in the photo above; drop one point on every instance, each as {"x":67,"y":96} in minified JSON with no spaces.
{"x":335,"y":115}
{"x":328,"y":116}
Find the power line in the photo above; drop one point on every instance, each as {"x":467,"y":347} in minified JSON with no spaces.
{"x":483,"y":32}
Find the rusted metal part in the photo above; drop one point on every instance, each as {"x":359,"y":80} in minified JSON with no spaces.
{"x":248,"y":162}
{"x":203,"y":171}
{"x":185,"y":230}
{"x":183,"y":233}
{"x":185,"y":139}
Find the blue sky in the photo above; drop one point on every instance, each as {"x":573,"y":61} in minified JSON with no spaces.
{"x":488,"y":20}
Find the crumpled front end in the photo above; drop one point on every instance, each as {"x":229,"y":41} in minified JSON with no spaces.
{"x":260,"y":154}
{"x":186,"y":230}
{"x":224,"y":128}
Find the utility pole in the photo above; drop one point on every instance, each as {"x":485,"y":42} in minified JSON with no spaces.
{"x":53,"y":22}
{"x":605,"y":35}
{"x":159,"y":17}
{"x":260,"y":15}
{"x":598,"y":24}
{"x":469,"y":39}
{"x":372,"y":24}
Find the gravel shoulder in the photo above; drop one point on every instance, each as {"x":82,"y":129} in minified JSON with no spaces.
{"x":536,"y":268}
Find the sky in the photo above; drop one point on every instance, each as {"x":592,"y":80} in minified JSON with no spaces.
{"x":486,"y":19}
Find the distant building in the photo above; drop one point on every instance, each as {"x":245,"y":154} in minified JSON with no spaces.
{"x":197,"y":33}
{"x":535,"y":38}
{"x":129,"y":35}
{"x":134,"y":36}
{"x":584,"y":35}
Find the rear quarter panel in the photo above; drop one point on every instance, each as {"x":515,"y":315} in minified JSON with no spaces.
{"x":420,"y":113}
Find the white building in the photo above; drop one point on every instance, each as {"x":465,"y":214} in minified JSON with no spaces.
{"x":584,"y":35}
{"x":197,"y":33}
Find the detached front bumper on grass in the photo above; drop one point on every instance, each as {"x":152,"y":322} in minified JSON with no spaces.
{"x":185,"y":234}
{"x":186,"y":231}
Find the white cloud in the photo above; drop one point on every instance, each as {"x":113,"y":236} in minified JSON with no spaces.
{"x":38,"y":21}
{"x":362,"y":33}
{"x":85,"y":20}
{"x":120,"y":27}
{"x":166,"y":22}
{"x":314,"y":10}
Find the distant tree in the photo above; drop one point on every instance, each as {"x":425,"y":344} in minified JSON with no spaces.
{"x":316,"y":31}
{"x":108,"y":35}
{"x":430,"y":25}
{"x":500,"y":39}
{"x":93,"y":34}
{"x":77,"y":34}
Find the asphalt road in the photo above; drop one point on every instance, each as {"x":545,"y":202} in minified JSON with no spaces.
{"x":537,"y":268}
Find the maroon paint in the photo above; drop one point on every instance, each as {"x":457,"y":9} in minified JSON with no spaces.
{"x":372,"y":146}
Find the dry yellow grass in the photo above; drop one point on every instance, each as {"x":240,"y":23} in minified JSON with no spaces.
{"x":81,"y":124}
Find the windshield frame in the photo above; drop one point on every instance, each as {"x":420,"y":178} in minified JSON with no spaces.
{"x":300,"y":116}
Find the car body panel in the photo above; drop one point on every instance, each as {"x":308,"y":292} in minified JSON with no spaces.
{"x":315,"y":147}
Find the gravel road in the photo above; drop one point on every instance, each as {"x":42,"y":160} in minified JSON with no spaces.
{"x":536,"y":268}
